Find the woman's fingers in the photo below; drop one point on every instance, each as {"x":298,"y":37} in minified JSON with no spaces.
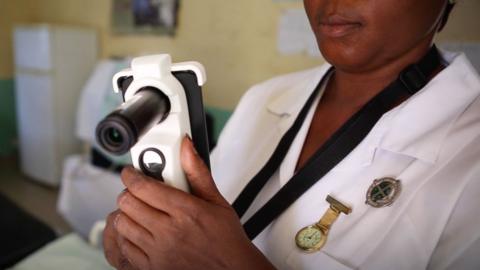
{"x":198,"y":175}
{"x":111,"y":247}
{"x":168,"y":199}
{"x":155,"y":193}
{"x":132,"y":231}
{"x":133,"y":254}
{"x":142,"y":213}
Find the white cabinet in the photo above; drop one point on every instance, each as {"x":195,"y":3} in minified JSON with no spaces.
{"x":37,"y":147}
{"x":33,"y":47}
{"x":52,"y":63}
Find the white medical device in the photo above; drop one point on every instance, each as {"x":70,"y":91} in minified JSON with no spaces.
{"x":162,"y":104}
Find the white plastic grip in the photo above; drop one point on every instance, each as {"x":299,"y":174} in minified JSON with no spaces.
{"x":156,"y":71}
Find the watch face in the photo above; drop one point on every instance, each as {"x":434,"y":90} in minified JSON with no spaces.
{"x":310,"y":238}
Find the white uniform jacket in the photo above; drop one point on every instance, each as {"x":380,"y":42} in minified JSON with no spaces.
{"x":430,"y":142}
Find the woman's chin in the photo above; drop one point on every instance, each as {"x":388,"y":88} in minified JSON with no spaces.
{"x":344,"y":58}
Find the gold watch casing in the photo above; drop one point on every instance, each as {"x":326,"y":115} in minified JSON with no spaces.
{"x":312,"y":238}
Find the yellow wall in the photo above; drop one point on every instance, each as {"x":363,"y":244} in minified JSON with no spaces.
{"x":10,"y":13}
{"x":464,"y":24}
{"x":235,"y":40}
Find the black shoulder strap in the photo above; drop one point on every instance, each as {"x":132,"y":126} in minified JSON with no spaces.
{"x":245,"y":199}
{"x":337,"y":147}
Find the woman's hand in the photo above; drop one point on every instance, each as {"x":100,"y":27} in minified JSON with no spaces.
{"x":160,"y":227}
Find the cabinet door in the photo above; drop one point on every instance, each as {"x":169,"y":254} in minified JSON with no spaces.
{"x":32,"y":46}
{"x":37,"y":133}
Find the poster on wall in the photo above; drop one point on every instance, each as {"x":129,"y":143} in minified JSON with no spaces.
{"x":295,"y":35}
{"x":158,"y":17}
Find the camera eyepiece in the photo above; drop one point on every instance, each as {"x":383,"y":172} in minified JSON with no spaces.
{"x":122,"y":128}
{"x":116,"y":134}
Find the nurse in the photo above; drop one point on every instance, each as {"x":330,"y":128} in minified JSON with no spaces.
{"x":410,"y":183}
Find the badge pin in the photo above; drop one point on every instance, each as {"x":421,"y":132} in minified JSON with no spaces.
{"x":383,"y":192}
{"x":312,"y":238}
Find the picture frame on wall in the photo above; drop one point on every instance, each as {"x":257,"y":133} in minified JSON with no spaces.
{"x":157,"y":17}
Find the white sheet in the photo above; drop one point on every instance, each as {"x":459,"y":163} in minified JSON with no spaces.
{"x":69,"y":252}
{"x":88,"y":194}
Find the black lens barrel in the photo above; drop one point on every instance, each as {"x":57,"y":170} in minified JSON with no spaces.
{"x":122,"y":128}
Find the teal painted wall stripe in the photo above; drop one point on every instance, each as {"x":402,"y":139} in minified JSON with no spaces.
{"x":8,"y":130}
{"x":220,"y":118}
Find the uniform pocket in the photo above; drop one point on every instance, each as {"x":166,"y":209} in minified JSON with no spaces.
{"x":317,"y":260}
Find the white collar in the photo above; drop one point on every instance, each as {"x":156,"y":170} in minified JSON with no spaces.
{"x":420,"y":124}
{"x":297,"y":91}
{"x":415,"y":128}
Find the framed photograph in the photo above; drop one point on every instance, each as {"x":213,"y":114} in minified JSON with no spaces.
{"x":157,"y":17}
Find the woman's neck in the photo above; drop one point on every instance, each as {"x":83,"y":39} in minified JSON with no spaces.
{"x":345,"y":94}
{"x":356,"y":88}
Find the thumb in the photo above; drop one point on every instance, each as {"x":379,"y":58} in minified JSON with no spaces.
{"x":198,"y":175}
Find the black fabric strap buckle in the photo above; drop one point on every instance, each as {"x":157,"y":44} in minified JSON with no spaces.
{"x":413,"y":78}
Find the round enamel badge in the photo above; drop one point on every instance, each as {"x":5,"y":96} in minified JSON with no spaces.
{"x":383,"y":192}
